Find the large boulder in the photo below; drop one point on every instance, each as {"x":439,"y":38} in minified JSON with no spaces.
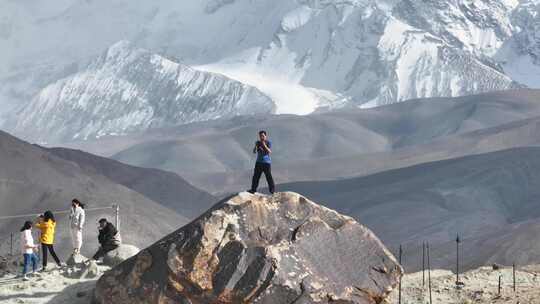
{"x":258,"y":249}
{"x":120,"y":254}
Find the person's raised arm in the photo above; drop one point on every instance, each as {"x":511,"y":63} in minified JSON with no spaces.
{"x":255,"y":148}
{"x":39,"y":222}
{"x":82,"y":219}
{"x":266,"y":147}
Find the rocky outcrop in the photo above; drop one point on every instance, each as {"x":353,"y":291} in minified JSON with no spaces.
{"x":8,"y":265}
{"x":120,"y":254}
{"x":75,"y":260}
{"x":258,"y":249}
{"x":80,"y":267}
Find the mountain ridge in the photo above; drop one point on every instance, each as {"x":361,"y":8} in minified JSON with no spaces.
{"x":216,"y":155}
{"x":128,"y":89}
{"x":303,"y":55}
{"x":34,"y":180}
{"x":490,"y":199}
{"x":166,"y":188}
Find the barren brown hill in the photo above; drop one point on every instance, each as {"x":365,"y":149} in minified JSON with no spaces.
{"x":33,"y":180}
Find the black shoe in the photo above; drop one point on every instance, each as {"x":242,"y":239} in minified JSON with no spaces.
{"x":252,"y":191}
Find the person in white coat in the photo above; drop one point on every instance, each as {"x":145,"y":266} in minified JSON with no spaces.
{"x":77,"y":218}
{"x":28,"y":247}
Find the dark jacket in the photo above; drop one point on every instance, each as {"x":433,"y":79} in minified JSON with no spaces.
{"x":107,"y":235}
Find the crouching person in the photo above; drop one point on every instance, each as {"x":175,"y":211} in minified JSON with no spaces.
{"x":109,"y":238}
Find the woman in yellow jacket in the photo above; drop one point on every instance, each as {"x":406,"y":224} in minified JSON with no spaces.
{"x":47,"y":225}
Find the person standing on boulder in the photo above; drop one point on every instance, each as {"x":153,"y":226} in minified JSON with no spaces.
{"x":77,"y":218}
{"x":108,"y":238}
{"x":47,"y":224}
{"x":263,"y":148}
{"x":28,"y":247}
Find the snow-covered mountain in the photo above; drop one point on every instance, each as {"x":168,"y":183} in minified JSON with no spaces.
{"x":520,"y":55}
{"x":303,"y":54}
{"x":128,"y":89}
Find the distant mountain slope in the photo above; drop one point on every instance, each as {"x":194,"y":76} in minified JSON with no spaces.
{"x":33,"y":180}
{"x":128,"y":89}
{"x":489,"y":199}
{"x":216,"y":155}
{"x":521,"y":133}
{"x":163,"y":187}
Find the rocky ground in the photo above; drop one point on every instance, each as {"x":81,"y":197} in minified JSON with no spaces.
{"x":480,"y":286}
{"x":55,"y":286}
{"x":71,"y":284}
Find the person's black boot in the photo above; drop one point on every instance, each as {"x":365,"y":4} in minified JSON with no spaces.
{"x":251,"y":191}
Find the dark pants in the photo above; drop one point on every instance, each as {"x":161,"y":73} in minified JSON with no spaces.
{"x":30,"y":258}
{"x":102,"y":251}
{"x":49,"y":248}
{"x":261,"y":168}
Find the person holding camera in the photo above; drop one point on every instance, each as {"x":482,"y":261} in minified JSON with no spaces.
{"x":108,"y":238}
{"x":263,"y":148}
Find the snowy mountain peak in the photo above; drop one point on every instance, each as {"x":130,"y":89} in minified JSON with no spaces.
{"x":122,"y":50}
{"x":128,"y":89}
{"x":304,"y":55}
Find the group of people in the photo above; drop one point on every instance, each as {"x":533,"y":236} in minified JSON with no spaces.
{"x":108,"y":238}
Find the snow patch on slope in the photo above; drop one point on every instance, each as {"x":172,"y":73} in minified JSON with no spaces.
{"x":523,"y":69}
{"x":296,"y":18}
{"x":281,"y":82}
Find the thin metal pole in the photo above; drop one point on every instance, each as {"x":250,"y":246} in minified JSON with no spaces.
{"x":500,"y":281}
{"x":429,"y":273}
{"x":400,"y":278}
{"x":514,"y":275}
{"x":458,"y":240}
{"x":423,"y":264}
{"x":117,"y":214}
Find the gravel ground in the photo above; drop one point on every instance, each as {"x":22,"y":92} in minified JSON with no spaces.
{"x":56,"y":286}
{"x":479,"y":286}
